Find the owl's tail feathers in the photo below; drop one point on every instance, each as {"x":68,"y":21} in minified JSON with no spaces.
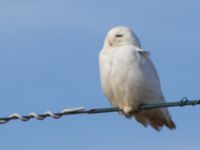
{"x":157,"y":118}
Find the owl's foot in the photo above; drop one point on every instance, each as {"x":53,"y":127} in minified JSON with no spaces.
{"x":129,"y":111}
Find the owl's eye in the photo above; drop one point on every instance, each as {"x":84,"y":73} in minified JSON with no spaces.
{"x":119,"y":35}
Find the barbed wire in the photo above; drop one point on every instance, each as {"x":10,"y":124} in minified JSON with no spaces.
{"x":81,"y":110}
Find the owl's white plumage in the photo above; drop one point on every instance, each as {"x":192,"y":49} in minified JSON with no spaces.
{"x":129,"y":78}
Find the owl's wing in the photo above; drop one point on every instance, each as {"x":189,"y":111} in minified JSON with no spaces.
{"x":151,"y":74}
{"x":143,"y":52}
{"x":155,"y":73}
{"x":146,"y":54}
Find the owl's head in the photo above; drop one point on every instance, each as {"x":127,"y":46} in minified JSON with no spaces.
{"x":121,"y":35}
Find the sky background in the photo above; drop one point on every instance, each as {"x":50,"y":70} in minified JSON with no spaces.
{"x":49,"y":61}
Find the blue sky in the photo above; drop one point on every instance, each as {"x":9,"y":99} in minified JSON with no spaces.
{"x":49,"y":61}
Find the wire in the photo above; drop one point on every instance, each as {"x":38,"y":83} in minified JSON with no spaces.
{"x":81,"y":110}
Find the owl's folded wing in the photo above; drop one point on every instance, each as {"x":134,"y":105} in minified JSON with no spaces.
{"x":143,"y":52}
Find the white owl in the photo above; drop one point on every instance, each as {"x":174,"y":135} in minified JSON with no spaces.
{"x":129,"y":78}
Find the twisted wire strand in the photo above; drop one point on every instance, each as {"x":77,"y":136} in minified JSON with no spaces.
{"x":81,"y":110}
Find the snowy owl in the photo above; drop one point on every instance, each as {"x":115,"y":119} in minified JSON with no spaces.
{"x":129,"y":78}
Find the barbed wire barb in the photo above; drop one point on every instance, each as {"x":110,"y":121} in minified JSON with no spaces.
{"x":81,"y":110}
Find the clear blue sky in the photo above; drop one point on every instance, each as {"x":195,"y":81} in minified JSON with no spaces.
{"x":49,"y":61}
